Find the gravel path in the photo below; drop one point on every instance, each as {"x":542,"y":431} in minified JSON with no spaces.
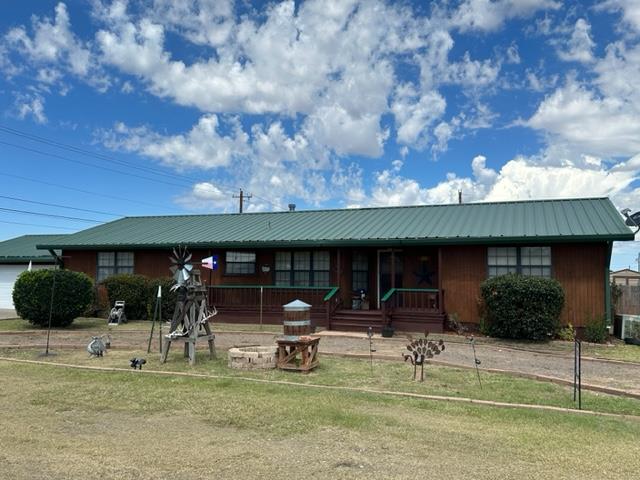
{"x":617,"y":375}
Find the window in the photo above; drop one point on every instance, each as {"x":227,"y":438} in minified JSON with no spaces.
{"x":529,"y":261}
{"x":359,"y":272}
{"x":112,"y":263}
{"x":240,"y":263}
{"x":302,"y":269}
{"x":535,"y":261}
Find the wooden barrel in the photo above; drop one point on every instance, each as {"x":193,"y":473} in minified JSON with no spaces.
{"x":297,"y":318}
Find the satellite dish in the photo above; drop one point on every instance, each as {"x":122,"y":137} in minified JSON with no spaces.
{"x":632,"y":220}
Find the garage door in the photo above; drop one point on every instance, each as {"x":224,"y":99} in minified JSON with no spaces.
{"x":8,"y":275}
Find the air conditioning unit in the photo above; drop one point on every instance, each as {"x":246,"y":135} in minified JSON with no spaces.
{"x":628,"y":325}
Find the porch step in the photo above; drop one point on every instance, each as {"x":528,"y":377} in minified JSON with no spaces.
{"x":357,"y":320}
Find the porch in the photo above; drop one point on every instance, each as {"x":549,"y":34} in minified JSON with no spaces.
{"x":405,"y":309}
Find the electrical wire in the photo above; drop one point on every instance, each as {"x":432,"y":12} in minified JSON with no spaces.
{"x":37,"y":225}
{"x":61,"y":206}
{"x":52,"y":215}
{"x":88,"y":192}
{"x":153,"y":171}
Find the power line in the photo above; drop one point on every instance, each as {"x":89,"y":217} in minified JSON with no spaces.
{"x":36,"y":225}
{"x":52,"y":215}
{"x":62,"y":206}
{"x":80,"y":162}
{"x":154,"y":171}
{"x":88,"y":192}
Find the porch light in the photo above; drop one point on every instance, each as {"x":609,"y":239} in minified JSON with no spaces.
{"x":265,"y":268}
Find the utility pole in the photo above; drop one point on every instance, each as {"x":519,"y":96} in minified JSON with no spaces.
{"x":242,"y":197}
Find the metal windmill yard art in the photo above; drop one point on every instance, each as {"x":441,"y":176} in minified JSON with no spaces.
{"x":181,"y":267}
{"x":420,"y":350}
{"x":191,"y":316}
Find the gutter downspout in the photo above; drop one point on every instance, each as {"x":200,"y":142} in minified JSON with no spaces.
{"x":607,"y":283}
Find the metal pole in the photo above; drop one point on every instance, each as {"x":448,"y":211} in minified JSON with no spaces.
{"x":475,"y":359}
{"x":53,"y":289}
{"x":579,"y":375}
{"x":371,"y":350}
{"x":261,"y":290}
{"x":153,"y":321}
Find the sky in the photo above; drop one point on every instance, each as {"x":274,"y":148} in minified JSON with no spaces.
{"x":116,"y":108}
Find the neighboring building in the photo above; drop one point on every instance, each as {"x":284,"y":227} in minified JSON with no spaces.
{"x":416,"y":263}
{"x":15,"y":255}
{"x":626,"y":277}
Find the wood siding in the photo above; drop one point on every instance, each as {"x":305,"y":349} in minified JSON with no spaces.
{"x":580,"y":268}
{"x":463,"y":269}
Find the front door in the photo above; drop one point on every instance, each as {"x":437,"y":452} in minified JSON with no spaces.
{"x":385,"y":271}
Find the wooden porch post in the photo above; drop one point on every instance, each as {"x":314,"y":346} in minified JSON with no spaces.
{"x":440,"y":295}
{"x":393,"y":269}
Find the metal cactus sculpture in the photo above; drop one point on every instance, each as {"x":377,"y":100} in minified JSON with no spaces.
{"x":421,"y":350}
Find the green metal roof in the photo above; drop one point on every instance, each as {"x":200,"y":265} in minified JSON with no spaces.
{"x":590,"y":219}
{"x":23,"y":249}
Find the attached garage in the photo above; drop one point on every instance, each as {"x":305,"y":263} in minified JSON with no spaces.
{"x":15,"y":255}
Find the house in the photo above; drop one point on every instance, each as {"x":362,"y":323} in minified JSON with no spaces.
{"x":15,"y":255}
{"x":626,"y":277}
{"x":415,"y":264}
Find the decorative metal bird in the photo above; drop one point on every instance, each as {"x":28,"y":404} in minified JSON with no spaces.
{"x":137,"y":362}
{"x":420,"y":350}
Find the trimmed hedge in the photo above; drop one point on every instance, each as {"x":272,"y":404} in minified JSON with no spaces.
{"x":133,"y":289}
{"x":522,"y":307}
{"x":139,"y":294}
{"x":72,"y":296}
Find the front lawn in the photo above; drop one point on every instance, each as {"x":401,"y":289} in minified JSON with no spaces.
{"x":69,"y":424}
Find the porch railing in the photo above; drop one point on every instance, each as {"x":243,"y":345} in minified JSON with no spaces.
{"x":270,"y":298}
{"x":425,"y":300}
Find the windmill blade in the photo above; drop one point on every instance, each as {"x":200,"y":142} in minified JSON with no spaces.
{"x":188,"y":259}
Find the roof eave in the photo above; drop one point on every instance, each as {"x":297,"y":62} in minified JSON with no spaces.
{"x":356,"y":242}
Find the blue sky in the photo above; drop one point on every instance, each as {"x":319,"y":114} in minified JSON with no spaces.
{"x":159,"y":107}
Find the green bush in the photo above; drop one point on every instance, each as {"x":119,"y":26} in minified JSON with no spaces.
{"x":73,"y":294}
{"x":133,"y":289}
{"x":595,"y":330}
{"x":522,"y":307}
{"x":567,"y":333}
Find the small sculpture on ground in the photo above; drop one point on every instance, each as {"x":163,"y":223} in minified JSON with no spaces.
{"x":420,"y":350}
{"x":137,"y":362}
{"x":117,"y":315}
{"x":98,"y":345}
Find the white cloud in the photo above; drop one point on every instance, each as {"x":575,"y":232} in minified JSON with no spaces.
{"x":207,"y":196}
{"x":630,"y":11}
{"x":579,"y":47}
{"x":202,"y":147}
{"x":490,"y":15}
{"x":53,"y":44}
{"x":30,"y":105}
{"x":577,"y":116}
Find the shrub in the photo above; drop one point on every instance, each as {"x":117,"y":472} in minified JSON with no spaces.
{"x":567,"y":333}
{"x":168,"y":297}
{"x":522,"y":307}
{"x":133,"y":289}
{"x":72,"y":295}
{"x":595,"y":330}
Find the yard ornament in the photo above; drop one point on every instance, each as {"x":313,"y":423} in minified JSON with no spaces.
{"x":420,"y":350}
{"x":191,"y":315}
{"x":137,"y":362}
{"x":98,"y":345}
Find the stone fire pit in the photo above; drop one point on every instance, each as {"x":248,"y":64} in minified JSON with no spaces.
{"x":250,"y":358}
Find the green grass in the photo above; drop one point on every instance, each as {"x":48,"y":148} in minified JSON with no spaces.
{"x":392,"y":376}
{"x":100,"y":324}
{"x":64,"y":423}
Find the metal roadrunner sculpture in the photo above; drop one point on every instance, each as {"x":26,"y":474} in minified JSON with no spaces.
{"x":420,"y":350}
{"x":191,"y":315}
